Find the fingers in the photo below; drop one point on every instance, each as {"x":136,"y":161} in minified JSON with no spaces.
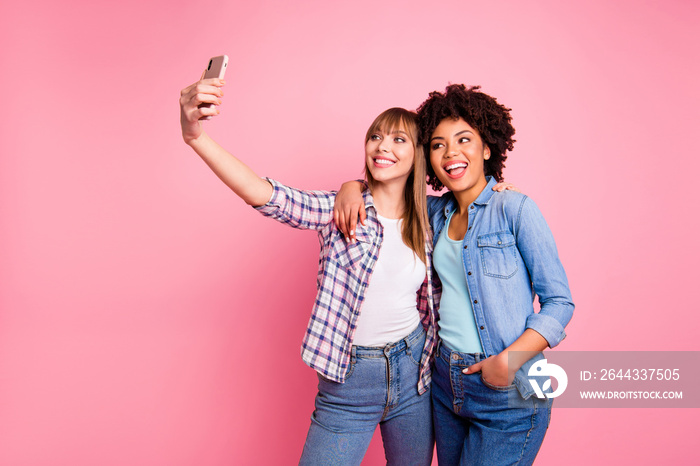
{"x":502,"y":186}
{"x":211,"y":88}
{"x":342,"y":226}
{"x":346,"y":218}
{"x":473,"y":368}
{"x":207,"y":113}
{"x":335,"y":218}
{"x":352,"y":225}
{"x":200,"y":101}
{"x":363,"y":214}
{"x":194,"y":110}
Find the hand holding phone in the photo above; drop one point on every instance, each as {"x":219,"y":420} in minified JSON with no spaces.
{"x":215,"y":69}
{"x":197,"y":100}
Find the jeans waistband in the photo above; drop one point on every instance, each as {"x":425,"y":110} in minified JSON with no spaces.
{"x":455,"y":357}
{"x":390,"y":348}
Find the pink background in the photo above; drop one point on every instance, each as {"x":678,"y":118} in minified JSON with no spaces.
{"x":149,"y":317}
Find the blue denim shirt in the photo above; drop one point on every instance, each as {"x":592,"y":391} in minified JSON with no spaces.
{"x":509,"y":255}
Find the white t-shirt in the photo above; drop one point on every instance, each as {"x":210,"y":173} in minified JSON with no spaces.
{"x":389,"y":311}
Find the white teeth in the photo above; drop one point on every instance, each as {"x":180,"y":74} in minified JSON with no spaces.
{"x":384,"y":162}
{"x":452,"y":166}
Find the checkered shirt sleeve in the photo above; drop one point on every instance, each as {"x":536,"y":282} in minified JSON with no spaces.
{"x":343,"y":275}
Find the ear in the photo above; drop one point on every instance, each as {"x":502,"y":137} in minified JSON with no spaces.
{"x":487,"y":153}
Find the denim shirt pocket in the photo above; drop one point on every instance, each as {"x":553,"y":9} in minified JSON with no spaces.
{"x":350,"y":255}
{"x":498,"y":254}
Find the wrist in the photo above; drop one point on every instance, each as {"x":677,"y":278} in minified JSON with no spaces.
{"x":192,"y":140}
{"x":508,"y":364}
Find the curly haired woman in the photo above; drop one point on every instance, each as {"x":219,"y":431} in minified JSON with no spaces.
{"x":492,"y":252}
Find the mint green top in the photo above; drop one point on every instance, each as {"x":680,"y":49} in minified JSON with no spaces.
{"x":457,"y":324}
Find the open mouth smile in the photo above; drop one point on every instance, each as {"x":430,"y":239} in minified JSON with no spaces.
{"x":455,"y":169}
{"x":382,"y":162}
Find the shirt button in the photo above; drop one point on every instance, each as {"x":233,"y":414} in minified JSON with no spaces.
{"x":482,"y":327}
{"x":465,"y":247}
{"x":476,"y":301}
{"x":469,"y":273}
{"x":454,"y":356}
{"x":469,"y":228}
{"x":500,"y":242}
{"x":471,"y":207}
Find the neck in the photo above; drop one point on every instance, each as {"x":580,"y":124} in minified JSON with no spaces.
{"x":466,"y":197}
{"x":389,"y":200}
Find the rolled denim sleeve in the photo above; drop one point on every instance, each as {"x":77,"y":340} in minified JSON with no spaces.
{"x":539,"y":252}
{"x":308,"y":210}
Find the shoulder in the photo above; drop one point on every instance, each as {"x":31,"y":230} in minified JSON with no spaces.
{"x":510,"y":201}
{"x":436,"y":203}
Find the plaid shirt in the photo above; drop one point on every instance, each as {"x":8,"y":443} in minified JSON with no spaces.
{"x":343,"y":274}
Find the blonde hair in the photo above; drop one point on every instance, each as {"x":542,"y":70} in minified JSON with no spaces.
{"x":415,"y":216}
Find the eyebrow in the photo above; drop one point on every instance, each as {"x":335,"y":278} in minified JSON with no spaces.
{"x":398,"y":131}
{"x":456,"y":134}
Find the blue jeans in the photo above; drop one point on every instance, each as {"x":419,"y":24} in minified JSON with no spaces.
{"x":480,"y":424}
{"x":381,"y":388}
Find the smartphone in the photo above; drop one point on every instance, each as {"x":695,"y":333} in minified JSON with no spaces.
{"x":215,"y":69}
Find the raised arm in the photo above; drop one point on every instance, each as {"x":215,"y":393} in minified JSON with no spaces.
{"x":235,"y":174}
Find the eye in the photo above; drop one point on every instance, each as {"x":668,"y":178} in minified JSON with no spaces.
{"x":437,"y":145}
{"x":399,"y":139}
{"x":463,"y":139}
{"x":375,"y":137}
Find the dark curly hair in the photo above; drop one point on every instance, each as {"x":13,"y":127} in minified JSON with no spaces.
{"x":481,"y":111}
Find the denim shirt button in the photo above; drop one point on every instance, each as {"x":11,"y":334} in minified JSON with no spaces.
{"x":476,"y":301}
{"x":482,"y":327}
{"x":469,"y":273}
{"x":465,"y":247}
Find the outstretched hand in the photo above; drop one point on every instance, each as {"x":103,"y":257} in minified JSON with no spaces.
{"x":193,"y":105}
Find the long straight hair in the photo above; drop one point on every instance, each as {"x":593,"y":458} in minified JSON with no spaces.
{"x":415,"y":216}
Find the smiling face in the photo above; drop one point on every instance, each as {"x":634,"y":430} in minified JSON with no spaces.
{"x":457,"y":155}
{"x":389,"y":155}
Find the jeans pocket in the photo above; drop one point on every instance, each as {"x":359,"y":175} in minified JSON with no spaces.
{"x":351,"y":369}
{"x":497,"y":388}
{"x":331,"y":387}
{"x":498,"y":254}
{"x":415,"y":351}
{"x":414,"y":355}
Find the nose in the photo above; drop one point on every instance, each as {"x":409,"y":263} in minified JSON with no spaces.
{"x":450,"y":151}
{"x":384,"y":145}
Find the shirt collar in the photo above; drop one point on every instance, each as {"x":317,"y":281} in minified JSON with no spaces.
{"x":487,"y":193}
{"x":483,"y":198}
